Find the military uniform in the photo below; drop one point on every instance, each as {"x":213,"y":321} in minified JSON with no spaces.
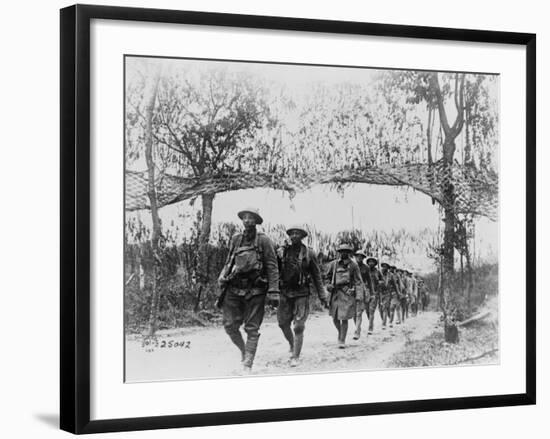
{"x":250,"y":271}
{"x":415,"y":292}
{"x":395,"y":299}
{"x":406,"y":292}
{"x":389,"y":293}
{"x":362,"y":305}
{"x":423,"y":295}
{"x":299,"y":271}
{"x":346,"y":287}
{"x":414,"y":299}
{"x":374,"y":298}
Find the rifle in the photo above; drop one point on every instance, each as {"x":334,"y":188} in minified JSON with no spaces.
{"x":225,"y":278}
{"x":221,"y":296}
{"x":224,"y":282}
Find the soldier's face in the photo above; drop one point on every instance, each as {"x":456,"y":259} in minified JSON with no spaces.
{"x":249,"y":220}
{"x":344,"y":255}
{"x":371,"y":264}
{"x":295,"y":237}
{"x":360,"y":258}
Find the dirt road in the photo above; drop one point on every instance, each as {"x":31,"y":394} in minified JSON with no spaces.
{"x":207,"y":352}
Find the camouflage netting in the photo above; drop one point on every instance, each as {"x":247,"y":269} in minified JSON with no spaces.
{"x":476,"y":192}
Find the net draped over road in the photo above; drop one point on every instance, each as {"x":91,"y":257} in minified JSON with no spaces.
{"x":476,"y":191}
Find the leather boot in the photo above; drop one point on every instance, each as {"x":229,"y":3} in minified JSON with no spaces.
{"x":371,"y":323}
{"x":250,"y":351}
{"x":289,"y":335}
{"x":358,"y":323}
{"x":237,"y":338}
{"x":297,"y":349}
{"x":342,"y":334}
{"x":338,"y":326}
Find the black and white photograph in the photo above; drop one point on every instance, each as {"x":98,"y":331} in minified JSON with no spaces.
{"x":275,"y":219}
{"x":297,"y":218}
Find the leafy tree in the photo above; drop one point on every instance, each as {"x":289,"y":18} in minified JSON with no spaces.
{"x":455,"y":99}
{"x":141,"y":98}
{"x":206,"y":122}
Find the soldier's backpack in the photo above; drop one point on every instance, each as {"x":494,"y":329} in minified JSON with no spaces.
{"x":349,"y":273}
{"x":247,"y":260}
{"x":293,"y":271}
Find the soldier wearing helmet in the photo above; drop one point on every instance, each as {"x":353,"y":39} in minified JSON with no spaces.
{"x":374,"y":297}
{"x":299,"y":270}
{"x":346,"y":288}
{"x":249,"y":273}
{"x":396,"y":288}
{"x":363,"y":304}
{"x":389,"y":288}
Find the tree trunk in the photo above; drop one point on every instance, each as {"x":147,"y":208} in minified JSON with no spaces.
{"x":207,"y":204}
{"x":429,"y":129}
{"x":451,"y":332}
{"x":440,"y":298}
{"x":470,"y":286}
{"x":152,"y":194}
{"x":196,"y":307}
{"x":448,"y":242}
{"x":139,"y":271}
{"x":448,"y":192}
{"x":462,"y":273}
{"x":468,"y":145}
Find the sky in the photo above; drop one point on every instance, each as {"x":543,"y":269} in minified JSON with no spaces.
{"x":363,"y":206}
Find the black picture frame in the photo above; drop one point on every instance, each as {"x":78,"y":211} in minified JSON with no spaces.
{"x":75,"y":217}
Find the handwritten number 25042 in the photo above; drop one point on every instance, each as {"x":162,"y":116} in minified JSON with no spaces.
{"x":167,"y":344}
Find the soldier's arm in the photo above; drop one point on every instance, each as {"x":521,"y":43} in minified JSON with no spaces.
{"x":328,"y":275}
{"x":358,"y":283}
{"x":395,"y":283}
{"x":369,"y":284}
{"x":270,"y":264}
{"x":315,"y":273}
{"x":224,"y":273}
{"x":376,"y":279}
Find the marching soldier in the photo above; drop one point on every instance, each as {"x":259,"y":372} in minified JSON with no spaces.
{"x":346,"y":288}
{"x":249,"y":273}
{"x":374,"y":297}
{"x":423,"y":295}
{"x":362,"y":305}
{"x":412,"y":293}
{"x":406,"y":293}
{"x":298,"y":270}
{"x":385,"y":294}
{"x":396,"y":294}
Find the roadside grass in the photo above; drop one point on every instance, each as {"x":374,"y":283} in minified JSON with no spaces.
{"x":478,"y":344}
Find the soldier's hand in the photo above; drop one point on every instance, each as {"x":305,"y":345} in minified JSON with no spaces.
{"x":272,"y":299}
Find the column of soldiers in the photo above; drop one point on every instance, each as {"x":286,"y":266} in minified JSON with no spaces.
{"x":256,"y":274}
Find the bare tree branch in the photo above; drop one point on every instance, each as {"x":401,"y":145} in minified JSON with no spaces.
{"x":459,"y":102}
{"x":434,"y":83}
